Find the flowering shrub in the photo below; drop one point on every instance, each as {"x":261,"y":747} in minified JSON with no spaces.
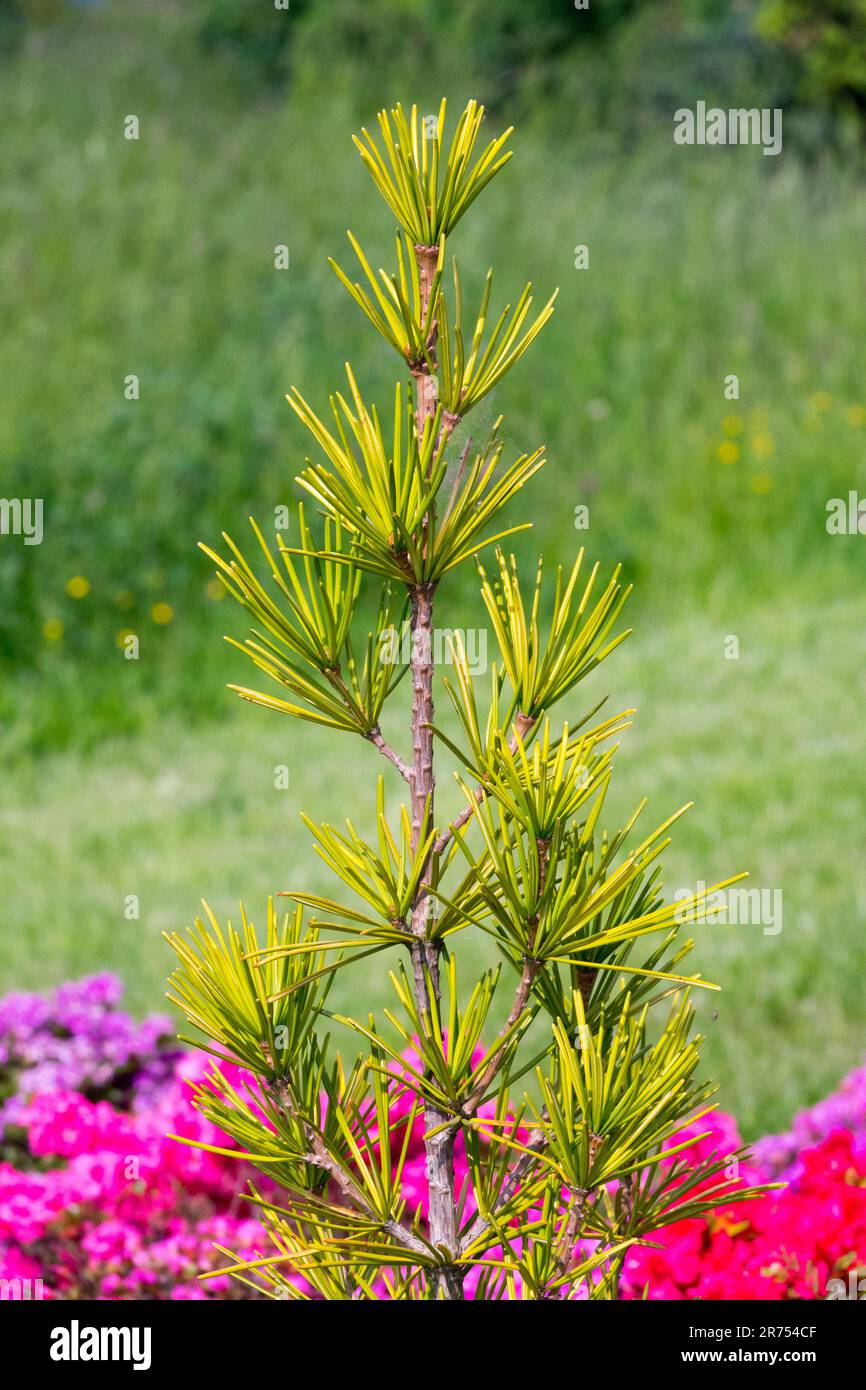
{"x":97,"y":1202}
{"x":78,"y":1040}
{"x":845,"y":1108}
{"x":790,"y":1243}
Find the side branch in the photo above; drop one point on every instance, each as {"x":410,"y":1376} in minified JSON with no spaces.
{"x":522,"y":724}
{"x":319,"y":1157}
{"x":568,"y":1239}
{"x":481,"y":1227}
{"x":374,"y":736}
{"x":531,"y":967}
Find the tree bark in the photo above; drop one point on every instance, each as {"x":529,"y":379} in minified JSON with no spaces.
{"x":427,"y":258}
{"x":439,"y":1148}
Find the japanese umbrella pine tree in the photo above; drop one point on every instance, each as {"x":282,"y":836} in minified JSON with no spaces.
{"x":544,"y":1074}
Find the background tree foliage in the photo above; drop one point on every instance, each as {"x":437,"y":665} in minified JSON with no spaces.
{"x":770,"y":52}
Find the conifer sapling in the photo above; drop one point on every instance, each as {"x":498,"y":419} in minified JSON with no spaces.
{"x":564,"y":1129}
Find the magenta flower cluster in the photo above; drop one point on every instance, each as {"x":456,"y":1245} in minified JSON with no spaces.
{"x":97,"y":1202}
{"x":78,"y":1040}
{"x":806,"y":1240}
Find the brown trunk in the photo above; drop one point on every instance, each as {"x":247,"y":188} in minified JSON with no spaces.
{"x":423,"y":782}
{"x":440,"y":1147}
{"x":447,"y":1283}
{"x":427,"y":258}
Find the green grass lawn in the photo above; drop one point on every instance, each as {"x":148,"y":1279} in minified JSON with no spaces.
{"x":770,"y":747}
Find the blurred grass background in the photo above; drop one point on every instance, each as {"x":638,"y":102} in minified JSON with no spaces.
{"x":155,"y":257}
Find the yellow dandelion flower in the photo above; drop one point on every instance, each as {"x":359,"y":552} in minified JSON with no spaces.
{"x":52,"y":630}
{"x":856,"y":415}
{"x":732,"y":424}
{"x":122,"y":637}
{"x":214,"y":589}
{"x":821,"y":400}
{"x":762,"y":483}
{"x":727,"y":452}
{"x":763,"y":444}
{"x":162,"y":613}
{"x":78,"y":586}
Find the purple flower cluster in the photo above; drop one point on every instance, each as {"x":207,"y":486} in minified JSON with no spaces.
{"x":778,"y":1155}
{"x":95,"y":1200}
{"x":78,"y":1040}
